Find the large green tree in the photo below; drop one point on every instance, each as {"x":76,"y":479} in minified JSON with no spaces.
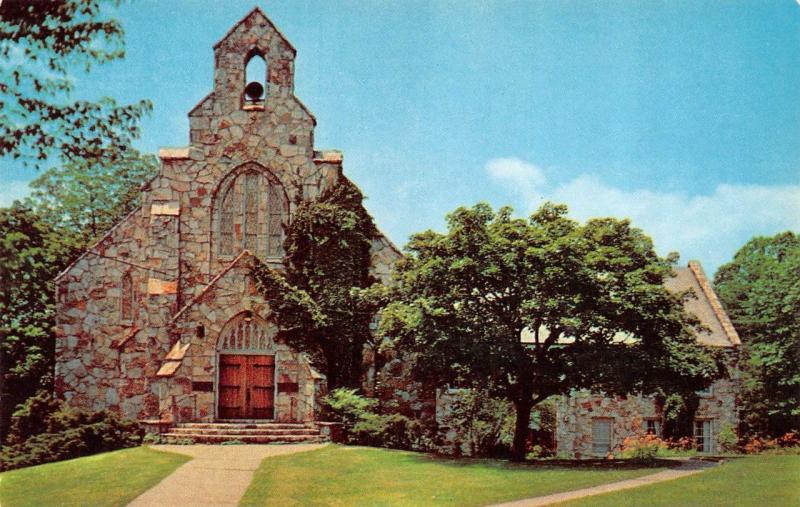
{"x":84,"y":198}
{"x":317,"y":298}
{"x":533,"y":308}
{"x":41,"y":43}
{"x":31,"y":254}
{"x":760,"y":289}
{"x":70,"y":208}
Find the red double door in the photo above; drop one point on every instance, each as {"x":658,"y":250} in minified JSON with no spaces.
{"x":246,"y":387}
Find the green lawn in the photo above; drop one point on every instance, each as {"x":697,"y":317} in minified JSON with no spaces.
{"x":112,"y":478}
{"x":344,"y":476}
{"x":753,"y":481}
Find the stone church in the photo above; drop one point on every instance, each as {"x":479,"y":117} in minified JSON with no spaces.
{"x":160,"y":319}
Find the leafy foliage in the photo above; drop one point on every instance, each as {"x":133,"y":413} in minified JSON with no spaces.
{"x":85,"y":198}
{"x":45,"y":430}
{"x":760,"y":289}
{"x":346,"y":406}
{"x":727,"y":439}
{"x":40,"y":44}
{"x":316,"y":301}
{"x":31,"y":254}
{"x":395,"y":431}
{"x":483,"y":423}
{"x":589,"y":299}
{"x":643,"y":448}
{"x":363,"y":424}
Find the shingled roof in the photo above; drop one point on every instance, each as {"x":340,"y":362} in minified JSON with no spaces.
{"x":705,"y":306}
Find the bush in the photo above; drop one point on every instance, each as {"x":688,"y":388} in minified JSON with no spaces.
{"x":756,"y":445}
{"x":683,"y":444}
{"x":727,"y":439}
{"x":45,"y":430}
{"x":152,"y":439}
{"x":363,"y":425}
{"x":643,"y":448}
{"x":790,"y":439}
{"x":392,"y":430}
{"x":347,"y":407}
{"x":483,"y":423}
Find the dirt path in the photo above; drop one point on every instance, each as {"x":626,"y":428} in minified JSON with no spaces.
{"x":685,"y":469}
{"x":217,"y":475}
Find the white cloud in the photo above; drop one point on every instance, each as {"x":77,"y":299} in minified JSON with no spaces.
{"x":708,"y":227}
{"x":13,"y":190}
{"x":525,"y":178}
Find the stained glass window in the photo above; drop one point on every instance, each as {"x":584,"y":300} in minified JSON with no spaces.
{"x":251,"y":215}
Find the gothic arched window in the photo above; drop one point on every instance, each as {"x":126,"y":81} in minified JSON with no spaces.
{"x":126,"y":298}
{"x":251,"y":210}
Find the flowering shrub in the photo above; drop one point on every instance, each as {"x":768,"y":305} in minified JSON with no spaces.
{"x":681,"y":444}
{"x":791,"y":439}
{"x":755,"y":445}
{"x":642,"y":447}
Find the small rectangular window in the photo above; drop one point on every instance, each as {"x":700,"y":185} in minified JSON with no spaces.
{"x":703,"y":436}
{"x":653,"y":427}
{"x":601,"y":436}
{"x":126,"y":299}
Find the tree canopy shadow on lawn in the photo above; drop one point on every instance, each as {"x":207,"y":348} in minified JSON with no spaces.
{"x":550,"y":463}
{"x":343,"y":476}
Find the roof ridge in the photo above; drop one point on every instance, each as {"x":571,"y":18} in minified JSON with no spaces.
{"x":713,"y":300}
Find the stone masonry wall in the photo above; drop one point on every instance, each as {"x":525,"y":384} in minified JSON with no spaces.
{"x":168,"y":246}
{"x":629,"y":414}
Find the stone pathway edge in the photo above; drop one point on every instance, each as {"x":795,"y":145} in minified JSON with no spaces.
{"x":686,"y":469}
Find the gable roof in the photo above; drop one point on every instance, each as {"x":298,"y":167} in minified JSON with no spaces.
{"x":705,"y":306}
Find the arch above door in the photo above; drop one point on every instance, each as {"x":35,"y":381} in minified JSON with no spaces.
{"x":246,"y":333}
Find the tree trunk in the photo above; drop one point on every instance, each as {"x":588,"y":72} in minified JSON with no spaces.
{"x":520,"y":446}
{"x":332,"y":373}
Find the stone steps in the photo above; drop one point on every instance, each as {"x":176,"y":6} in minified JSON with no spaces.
{"x":202,"y":438}
{"x":248,"y":425}
{"x":244,"y":431}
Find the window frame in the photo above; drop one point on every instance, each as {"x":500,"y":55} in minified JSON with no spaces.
{"x":126,"y":299}
{"x":610,"y":443}
{"x":268,"y":242}
{"x":703,"y":442}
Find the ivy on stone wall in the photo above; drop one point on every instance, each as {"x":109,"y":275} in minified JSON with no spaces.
{"x":317,"y":298}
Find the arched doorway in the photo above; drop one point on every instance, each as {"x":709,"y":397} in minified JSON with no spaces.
{"x":246,"y":369}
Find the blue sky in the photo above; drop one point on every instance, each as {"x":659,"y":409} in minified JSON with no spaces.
{"x":683,"y":115}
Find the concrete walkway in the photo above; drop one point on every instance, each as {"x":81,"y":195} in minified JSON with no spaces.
{"x":217,"y":475}
{"x":687,"y":467}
